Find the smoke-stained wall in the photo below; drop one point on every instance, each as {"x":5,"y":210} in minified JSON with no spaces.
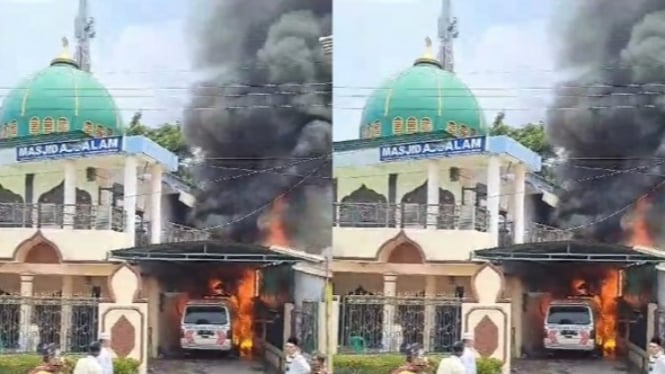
{"x":609,"y":116}
{"x":261,"y":118}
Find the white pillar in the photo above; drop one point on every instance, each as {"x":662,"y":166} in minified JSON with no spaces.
{"x":155,"y":203}
{"x":518,"y":203}
{"x":69,"y":202}
{"x":66,"y":313}
{"x":129,"y":198}
{"x":389,"y":340}
{"x":660,"y":298}
{"x":493,"y":197}
{"x":433,"y":185}
{"x":430,"y":312}
{"x":27,"y":341}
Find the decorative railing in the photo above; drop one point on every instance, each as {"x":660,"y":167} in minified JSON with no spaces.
{"x":442,"y":216}
{"x":171,"y":233}
{"x":76,"y":216}
{"x":534,"y":233}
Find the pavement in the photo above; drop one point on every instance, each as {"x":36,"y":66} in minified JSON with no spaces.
{"x":569,"y":366}
{"x":205,"y":366}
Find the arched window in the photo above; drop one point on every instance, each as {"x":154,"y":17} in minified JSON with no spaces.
{"x":426,"y":125}
{"x":12,"y":131}
{"x":451,"y":128}
{"x":3,"y":131}
{"x":411,"y":125}
{"x":398,"y":125}
{"x":49,"y":125}
{"x":464,"y":131}
{"x":100,"y":131}
{"x":35,"y":126}
{"x":63,"y":124}
{"x":89,"y":128}
{"x":376,"y":129}
{"x":473,"y":131}
{"x":108,"y":132}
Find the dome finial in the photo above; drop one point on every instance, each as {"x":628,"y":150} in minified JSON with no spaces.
{"x":64,"y":57}
{"x":428,"y":56}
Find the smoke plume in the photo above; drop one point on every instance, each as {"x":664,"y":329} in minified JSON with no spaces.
{"x":262,"y":118}
{"x":609,"y":119}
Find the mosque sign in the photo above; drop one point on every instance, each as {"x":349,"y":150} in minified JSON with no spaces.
{"x":69,"y":149}
{"x":433,"y":149}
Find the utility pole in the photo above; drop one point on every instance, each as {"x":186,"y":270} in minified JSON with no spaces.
{"x":448,"y":32}
{"x":84,"y":31}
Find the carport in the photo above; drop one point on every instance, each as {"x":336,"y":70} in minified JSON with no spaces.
{"x":167,"y":271}
{"x":539,"y":272}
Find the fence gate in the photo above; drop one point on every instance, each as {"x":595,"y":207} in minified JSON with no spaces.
{"x":26,"y":323}
{"x":304,"y":325}
{"x":373,"y":324}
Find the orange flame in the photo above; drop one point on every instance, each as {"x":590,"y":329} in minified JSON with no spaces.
{"x":606,"y":304}
{"x":242,"y":305}
{"x":640,"y":235}
{"x":276,"y":233}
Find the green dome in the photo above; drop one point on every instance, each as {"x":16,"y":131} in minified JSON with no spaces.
{"x":424,"y":98}
{"x":58,"y":102}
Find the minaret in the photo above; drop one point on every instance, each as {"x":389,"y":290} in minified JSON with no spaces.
{"x":447,"y":33}
{"x":84,"y":30}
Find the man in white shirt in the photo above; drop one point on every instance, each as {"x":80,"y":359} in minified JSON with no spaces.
{"x":89,"y":364}
{"x":656,"y":356}
{"x":469,"y":356}
{"x":296,"y":363}
{"x":105,"y":357}
{"x":453,"y":364}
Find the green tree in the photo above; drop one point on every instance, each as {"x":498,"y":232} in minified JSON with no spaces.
{"x":532,"y":136}
{"x":169,"y":136}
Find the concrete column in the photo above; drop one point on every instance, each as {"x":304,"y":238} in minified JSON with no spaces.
{"x":129,"y":198}
{"x":660,"y":281}
{"x":28,"y":341}
{"x":433,"y":185}
{"x":518,"y":203}
{"x":493,"y":197}
{"x":390,"y":340}
{"x":69,"y":194}
{"x":66,"y":313}
{"x":430,"y":312}
{"x":156,"y":203}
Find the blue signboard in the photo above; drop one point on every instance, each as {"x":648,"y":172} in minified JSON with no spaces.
{"x":433,"y":149}
{"x":68,"y":149}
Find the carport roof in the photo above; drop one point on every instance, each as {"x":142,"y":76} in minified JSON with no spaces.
{"x":570,"y":251}
{"x":213,"y":250}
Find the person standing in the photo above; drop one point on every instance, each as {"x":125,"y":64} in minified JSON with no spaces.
{"x":105,"y":357}
{"x":453,"y":364}
{"x":89,"y":364}
{"x":296,"y":363}
{"x":469,"y":355}
{"x":656,"y":356}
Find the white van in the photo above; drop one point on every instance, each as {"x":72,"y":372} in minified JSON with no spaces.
{"x":206,"y":325}
{"x":570,"y":325}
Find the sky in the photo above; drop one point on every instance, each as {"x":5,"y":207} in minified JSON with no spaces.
{"x":143,"y":55}
{"x":504,"y":53}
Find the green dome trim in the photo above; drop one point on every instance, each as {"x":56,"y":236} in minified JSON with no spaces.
{"x":60,"y":102}
{"x":422,"y":99}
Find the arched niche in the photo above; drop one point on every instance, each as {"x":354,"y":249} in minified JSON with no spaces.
{"x":12,"y":208}
{"x":52,"y":207}
{"x":401,"y":250}
{"x":364,"y":207}
{"x":414,"y":205}
{"x":37,"y":250}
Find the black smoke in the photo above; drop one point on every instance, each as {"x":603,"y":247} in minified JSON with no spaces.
{"x":609,"y":118}
{"x":262,"y":118}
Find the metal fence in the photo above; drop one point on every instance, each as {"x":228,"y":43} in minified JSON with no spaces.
{"x":77,"y":216}
{"x":371,"y":323}
{"x":534,"y":233}
{"x":26,"y":323}
{"x":304,"y":325}
{"x":443,"y":216}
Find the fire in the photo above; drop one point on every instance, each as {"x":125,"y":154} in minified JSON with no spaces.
{"x":242,"y":305}
{"x":276,"y":233}
{"x":606,"y":302}
{"x":639,"y":230}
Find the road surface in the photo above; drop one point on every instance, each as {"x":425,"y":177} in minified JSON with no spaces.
{"x":206,"y":366}
{"x":569,"y":366}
